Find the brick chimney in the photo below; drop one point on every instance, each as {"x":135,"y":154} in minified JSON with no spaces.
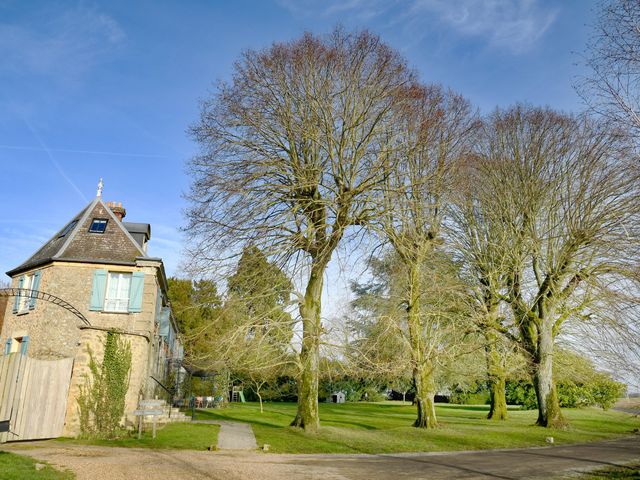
{"x":117,"y":209}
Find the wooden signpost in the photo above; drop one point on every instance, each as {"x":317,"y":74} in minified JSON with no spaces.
{"x":148,"y":407}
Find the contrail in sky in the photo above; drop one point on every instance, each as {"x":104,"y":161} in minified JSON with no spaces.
{"x":54,"y":162}
{"x":86,"y":152}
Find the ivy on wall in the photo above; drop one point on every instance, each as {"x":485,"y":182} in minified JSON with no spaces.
{"x":101,"y":400}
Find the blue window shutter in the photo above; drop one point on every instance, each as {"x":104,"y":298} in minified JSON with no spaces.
{"x":23,"y":345}
{"x":165,"y":322}
{"x":35,"y":286}
{"x":7,"y":346}
{"x":16,"y":302}
{"x":98,"y":290}
{"x":158,"y":305}
{"x":135,"y":294}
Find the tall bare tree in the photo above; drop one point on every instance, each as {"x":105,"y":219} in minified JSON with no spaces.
{"x":612,"y":86}
{"x":382,"y":343}
{"x":477,"y":238}
{"x":435,"y":129}
{"x":290,"y":150}
{"x":562,"y":194}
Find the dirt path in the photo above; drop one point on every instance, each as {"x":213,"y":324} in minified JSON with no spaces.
{"x":98,"y":463}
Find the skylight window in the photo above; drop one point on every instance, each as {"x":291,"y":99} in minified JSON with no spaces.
{"x":68,"y":228}
{"x":98,"y":225}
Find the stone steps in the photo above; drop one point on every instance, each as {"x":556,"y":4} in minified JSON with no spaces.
{"x":169,"y":414}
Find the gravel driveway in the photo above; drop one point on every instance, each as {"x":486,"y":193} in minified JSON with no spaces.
{"x":98,"y":463}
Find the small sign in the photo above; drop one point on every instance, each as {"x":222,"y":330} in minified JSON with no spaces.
{"x":151,"y":403}
{"x":148,"y":412}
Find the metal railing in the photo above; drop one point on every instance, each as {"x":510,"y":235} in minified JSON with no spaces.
{"x":47,"y":297}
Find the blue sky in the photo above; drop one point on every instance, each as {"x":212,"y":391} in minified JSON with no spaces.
{"x":107,"y":89}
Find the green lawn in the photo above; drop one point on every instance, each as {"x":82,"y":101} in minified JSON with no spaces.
{"x":19,"y":467}
{"x":173,"y":435}
{"x":386,"y":427}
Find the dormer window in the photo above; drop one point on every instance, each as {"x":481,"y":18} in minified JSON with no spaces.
{"x":68,"y":228}
{"x":98,"y":225}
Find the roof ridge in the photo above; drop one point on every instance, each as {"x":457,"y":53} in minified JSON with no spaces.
{"x":89,"y":208}
{"x":121,"y":226}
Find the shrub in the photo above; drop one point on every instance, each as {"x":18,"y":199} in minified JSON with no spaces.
{"x":572,"y":395}
{"x":601,"y":391}
{"x":605,"y":392}
{"x":371,"y":394}
{"x":476,"y":395}
{"x":521,"y":393}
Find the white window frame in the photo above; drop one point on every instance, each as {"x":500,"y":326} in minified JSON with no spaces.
{"x":119,"y":303}
{"x":25,"y":300}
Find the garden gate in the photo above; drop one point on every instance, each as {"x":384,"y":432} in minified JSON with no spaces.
{"x":33,"y":396}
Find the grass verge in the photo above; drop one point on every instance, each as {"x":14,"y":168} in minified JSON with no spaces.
{"x":19,"y":467}
{"x":184,"y":436}
{"x":386,"y":428}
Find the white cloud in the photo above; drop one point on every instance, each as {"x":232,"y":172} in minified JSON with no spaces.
{"x":359,"y":9}
{"x":63,"y":46}
{"x":513,"y":25}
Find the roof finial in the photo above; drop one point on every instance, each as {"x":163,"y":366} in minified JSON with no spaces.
{"x":100,"y":185}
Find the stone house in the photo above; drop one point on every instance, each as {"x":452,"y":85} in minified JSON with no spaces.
{"x":99,"y":265}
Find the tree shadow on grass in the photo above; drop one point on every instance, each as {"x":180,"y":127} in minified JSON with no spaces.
{"x":462,"y":408}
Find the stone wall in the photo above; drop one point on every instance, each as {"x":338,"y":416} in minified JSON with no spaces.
{"x":3,"y":308}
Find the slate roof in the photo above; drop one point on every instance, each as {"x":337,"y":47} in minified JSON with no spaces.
{"x":116,"y":245}
{"x":141,"y":232}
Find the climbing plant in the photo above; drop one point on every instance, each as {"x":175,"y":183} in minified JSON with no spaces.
{"x":101,"y":400}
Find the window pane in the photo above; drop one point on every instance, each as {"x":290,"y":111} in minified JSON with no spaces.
{"x":98,"y":225}
{"x":117,"y":297}
{"x":113,"y":286}
{"x":68,"y":228}
{"x":125,"y":285}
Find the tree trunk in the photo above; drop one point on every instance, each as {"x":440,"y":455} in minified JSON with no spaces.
{"x":422,"y":367}
{"x":498,"y":410}
{"x":549,"y":414}
{"x":260,"y":400}
{"x":425,"y":392}
{"x":307,"y":415}
{"x":497,"y":380}
{"x":404,"y":397}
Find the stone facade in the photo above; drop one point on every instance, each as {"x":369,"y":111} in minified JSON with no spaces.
{"x":3,"y":307}
{"x":54,"y":332}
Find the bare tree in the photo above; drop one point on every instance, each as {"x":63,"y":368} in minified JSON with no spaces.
{"x":562,"y":194}
{"x":434,"y":132}
{"x":478,"y":238}
{"x":612,"y":88}
{"x":290,"y":150}
{"x":381,"y":344}
{"x":610,"y":333}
